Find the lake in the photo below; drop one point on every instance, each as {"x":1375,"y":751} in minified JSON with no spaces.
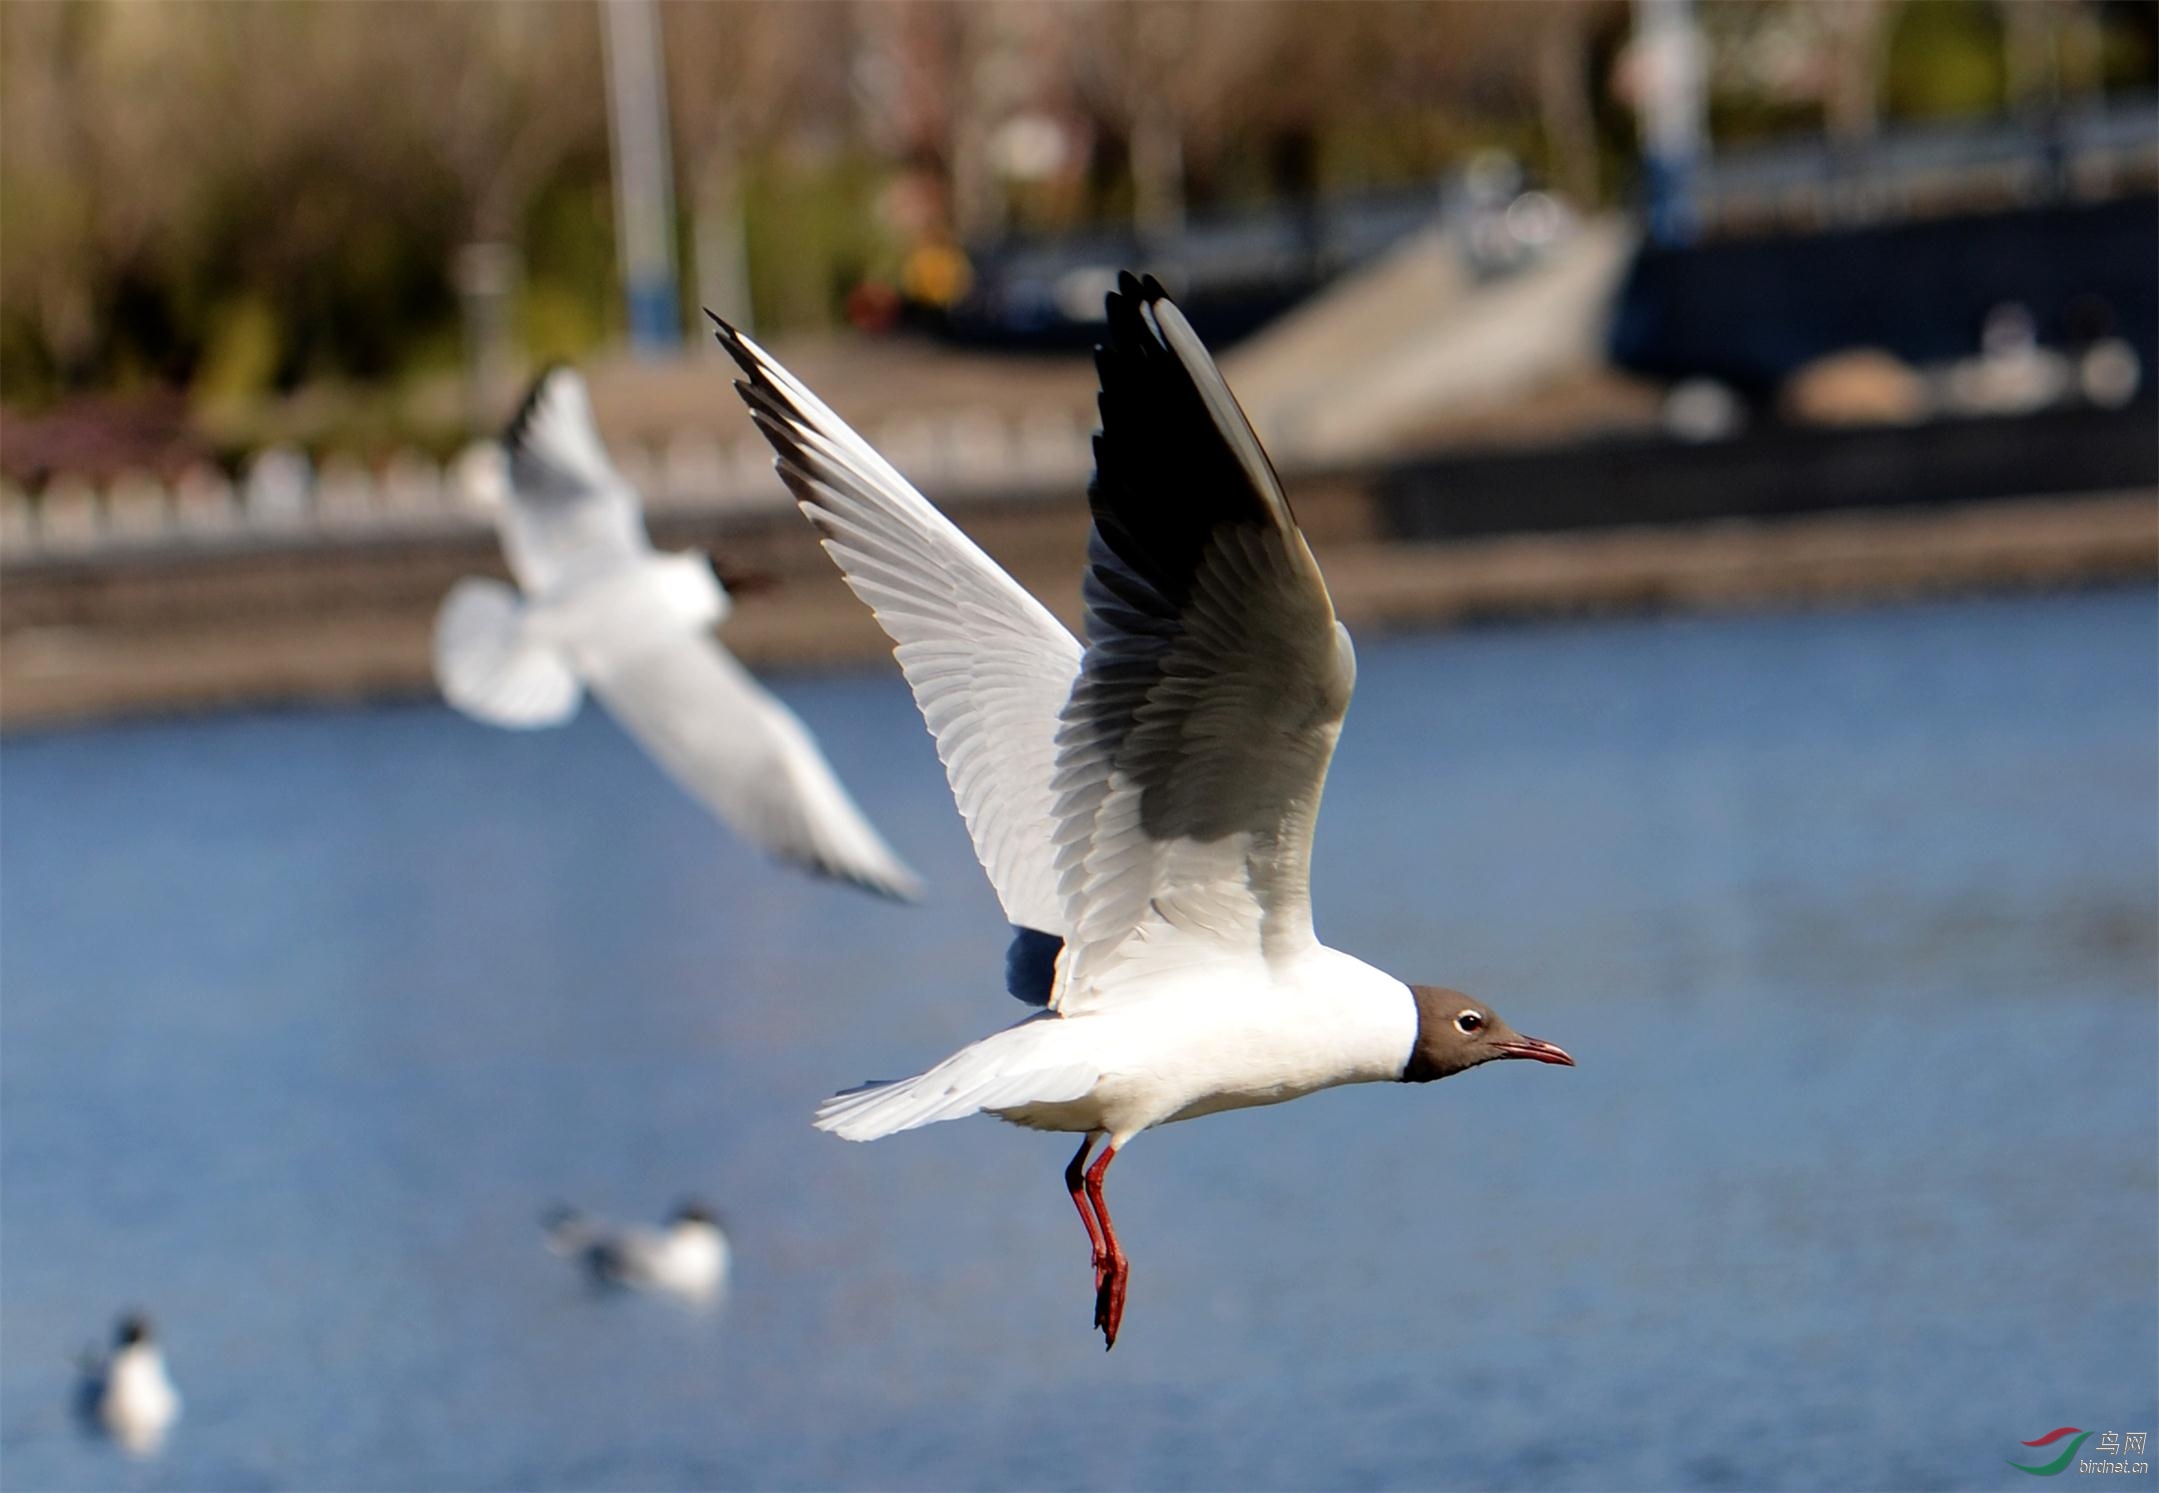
{"x":1851,"y":920}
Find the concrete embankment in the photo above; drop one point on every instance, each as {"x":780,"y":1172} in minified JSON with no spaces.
{"x":200,"y":630}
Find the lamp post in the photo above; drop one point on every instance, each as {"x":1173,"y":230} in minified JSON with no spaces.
{"x":644,"y":173}
{"x":1672,"y":103}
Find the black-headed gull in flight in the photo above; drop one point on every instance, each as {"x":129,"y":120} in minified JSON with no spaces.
{"x":601,"y":609}
{"x":688,"y":1257}
{"x":130,"y":1395}
{"x":1143,"y":805}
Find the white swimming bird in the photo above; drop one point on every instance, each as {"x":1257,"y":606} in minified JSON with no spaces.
{"x":1143,"y":805}
{"x":600,"y":609}
{"x":687,"y":1258}
{"x":130,"y":1395}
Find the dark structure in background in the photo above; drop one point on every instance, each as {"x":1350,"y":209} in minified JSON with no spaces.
{"x":1775,"y":471}
{"x":1749,"y":312}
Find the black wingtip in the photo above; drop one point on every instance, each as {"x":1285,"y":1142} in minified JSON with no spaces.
{"x":731,"y":341}
{"x":1143,"y":289}
{"x":724,"y":331}
{"x":513,"y":434}
{"x":1122,"y":315}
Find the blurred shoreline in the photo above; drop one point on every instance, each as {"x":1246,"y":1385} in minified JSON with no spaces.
{"x":155,"y":634}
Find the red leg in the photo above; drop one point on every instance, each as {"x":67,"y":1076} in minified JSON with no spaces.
{"x":1076,"y":1184}
{"x":1110,"y":1283}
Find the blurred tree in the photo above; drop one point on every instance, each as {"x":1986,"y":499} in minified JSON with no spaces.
{"x":1858,"y":50}
{"x":494,"y":97}
{"x":71,"y":244}
{"x":240,"y":196}
{"x":1566,"y":97}
{"x":740,"y":77}
{"x":2128,"y":45}
{"x":264,"y":190}
{"x":1136,"y":68}
{"x":1947,"y":58}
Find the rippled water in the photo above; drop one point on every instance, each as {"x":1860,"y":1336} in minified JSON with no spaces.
{"x":1850,"y":920}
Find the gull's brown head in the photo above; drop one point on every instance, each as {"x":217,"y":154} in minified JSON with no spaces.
{"x":1455,"y":1032}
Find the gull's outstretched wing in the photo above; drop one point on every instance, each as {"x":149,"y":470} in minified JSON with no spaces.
{"x":1192,"y":753}
{"x":569,"y":514}
{"x":989,"y":666}
{"x":746,"y":756}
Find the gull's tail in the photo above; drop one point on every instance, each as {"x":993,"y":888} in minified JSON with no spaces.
{"x":491,"y":668}
{"x":1016,"y":1068}
{"x":567,"y":1231}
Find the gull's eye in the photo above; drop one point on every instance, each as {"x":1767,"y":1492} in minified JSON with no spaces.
{"x":1469,"y":1021}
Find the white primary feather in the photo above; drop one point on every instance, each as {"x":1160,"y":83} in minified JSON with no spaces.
{"x":601,"y":610}
{"x":989,"y":666}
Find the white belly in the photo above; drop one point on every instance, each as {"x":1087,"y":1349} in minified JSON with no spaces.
{"x":139,"y":1403}
{"x":1200,"y":1048}
{"x":686,"y":1260}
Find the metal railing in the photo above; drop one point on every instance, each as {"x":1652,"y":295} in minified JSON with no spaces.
{"x":280,"y":498}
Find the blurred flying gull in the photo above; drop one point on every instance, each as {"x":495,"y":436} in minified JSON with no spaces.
{"x":600,"y":609}
{"x":128,"y":1394}
{"x":1143,"y":806}
{"x":687,"y":1258}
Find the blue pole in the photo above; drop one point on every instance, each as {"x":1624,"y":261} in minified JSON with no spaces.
{"x":1673,"y":105}
{"x":644,"y":174}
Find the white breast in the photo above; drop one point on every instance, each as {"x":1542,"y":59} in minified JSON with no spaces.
{"x":139,"y":1403}
{"x":686,"y":1259}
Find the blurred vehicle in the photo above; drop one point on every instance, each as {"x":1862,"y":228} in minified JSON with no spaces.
{"x":1234,"y":271}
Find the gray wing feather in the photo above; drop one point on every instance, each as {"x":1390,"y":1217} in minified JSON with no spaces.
{"x":1191,"y":756}
{"x":748,"y":758}
{"x":569,"y":515}
{"x":988,"y":665}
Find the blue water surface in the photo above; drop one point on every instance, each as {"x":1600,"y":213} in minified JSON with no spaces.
{"x":1851,"y":919}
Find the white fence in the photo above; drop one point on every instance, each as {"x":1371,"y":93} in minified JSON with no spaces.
{"x":282,"y":498}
